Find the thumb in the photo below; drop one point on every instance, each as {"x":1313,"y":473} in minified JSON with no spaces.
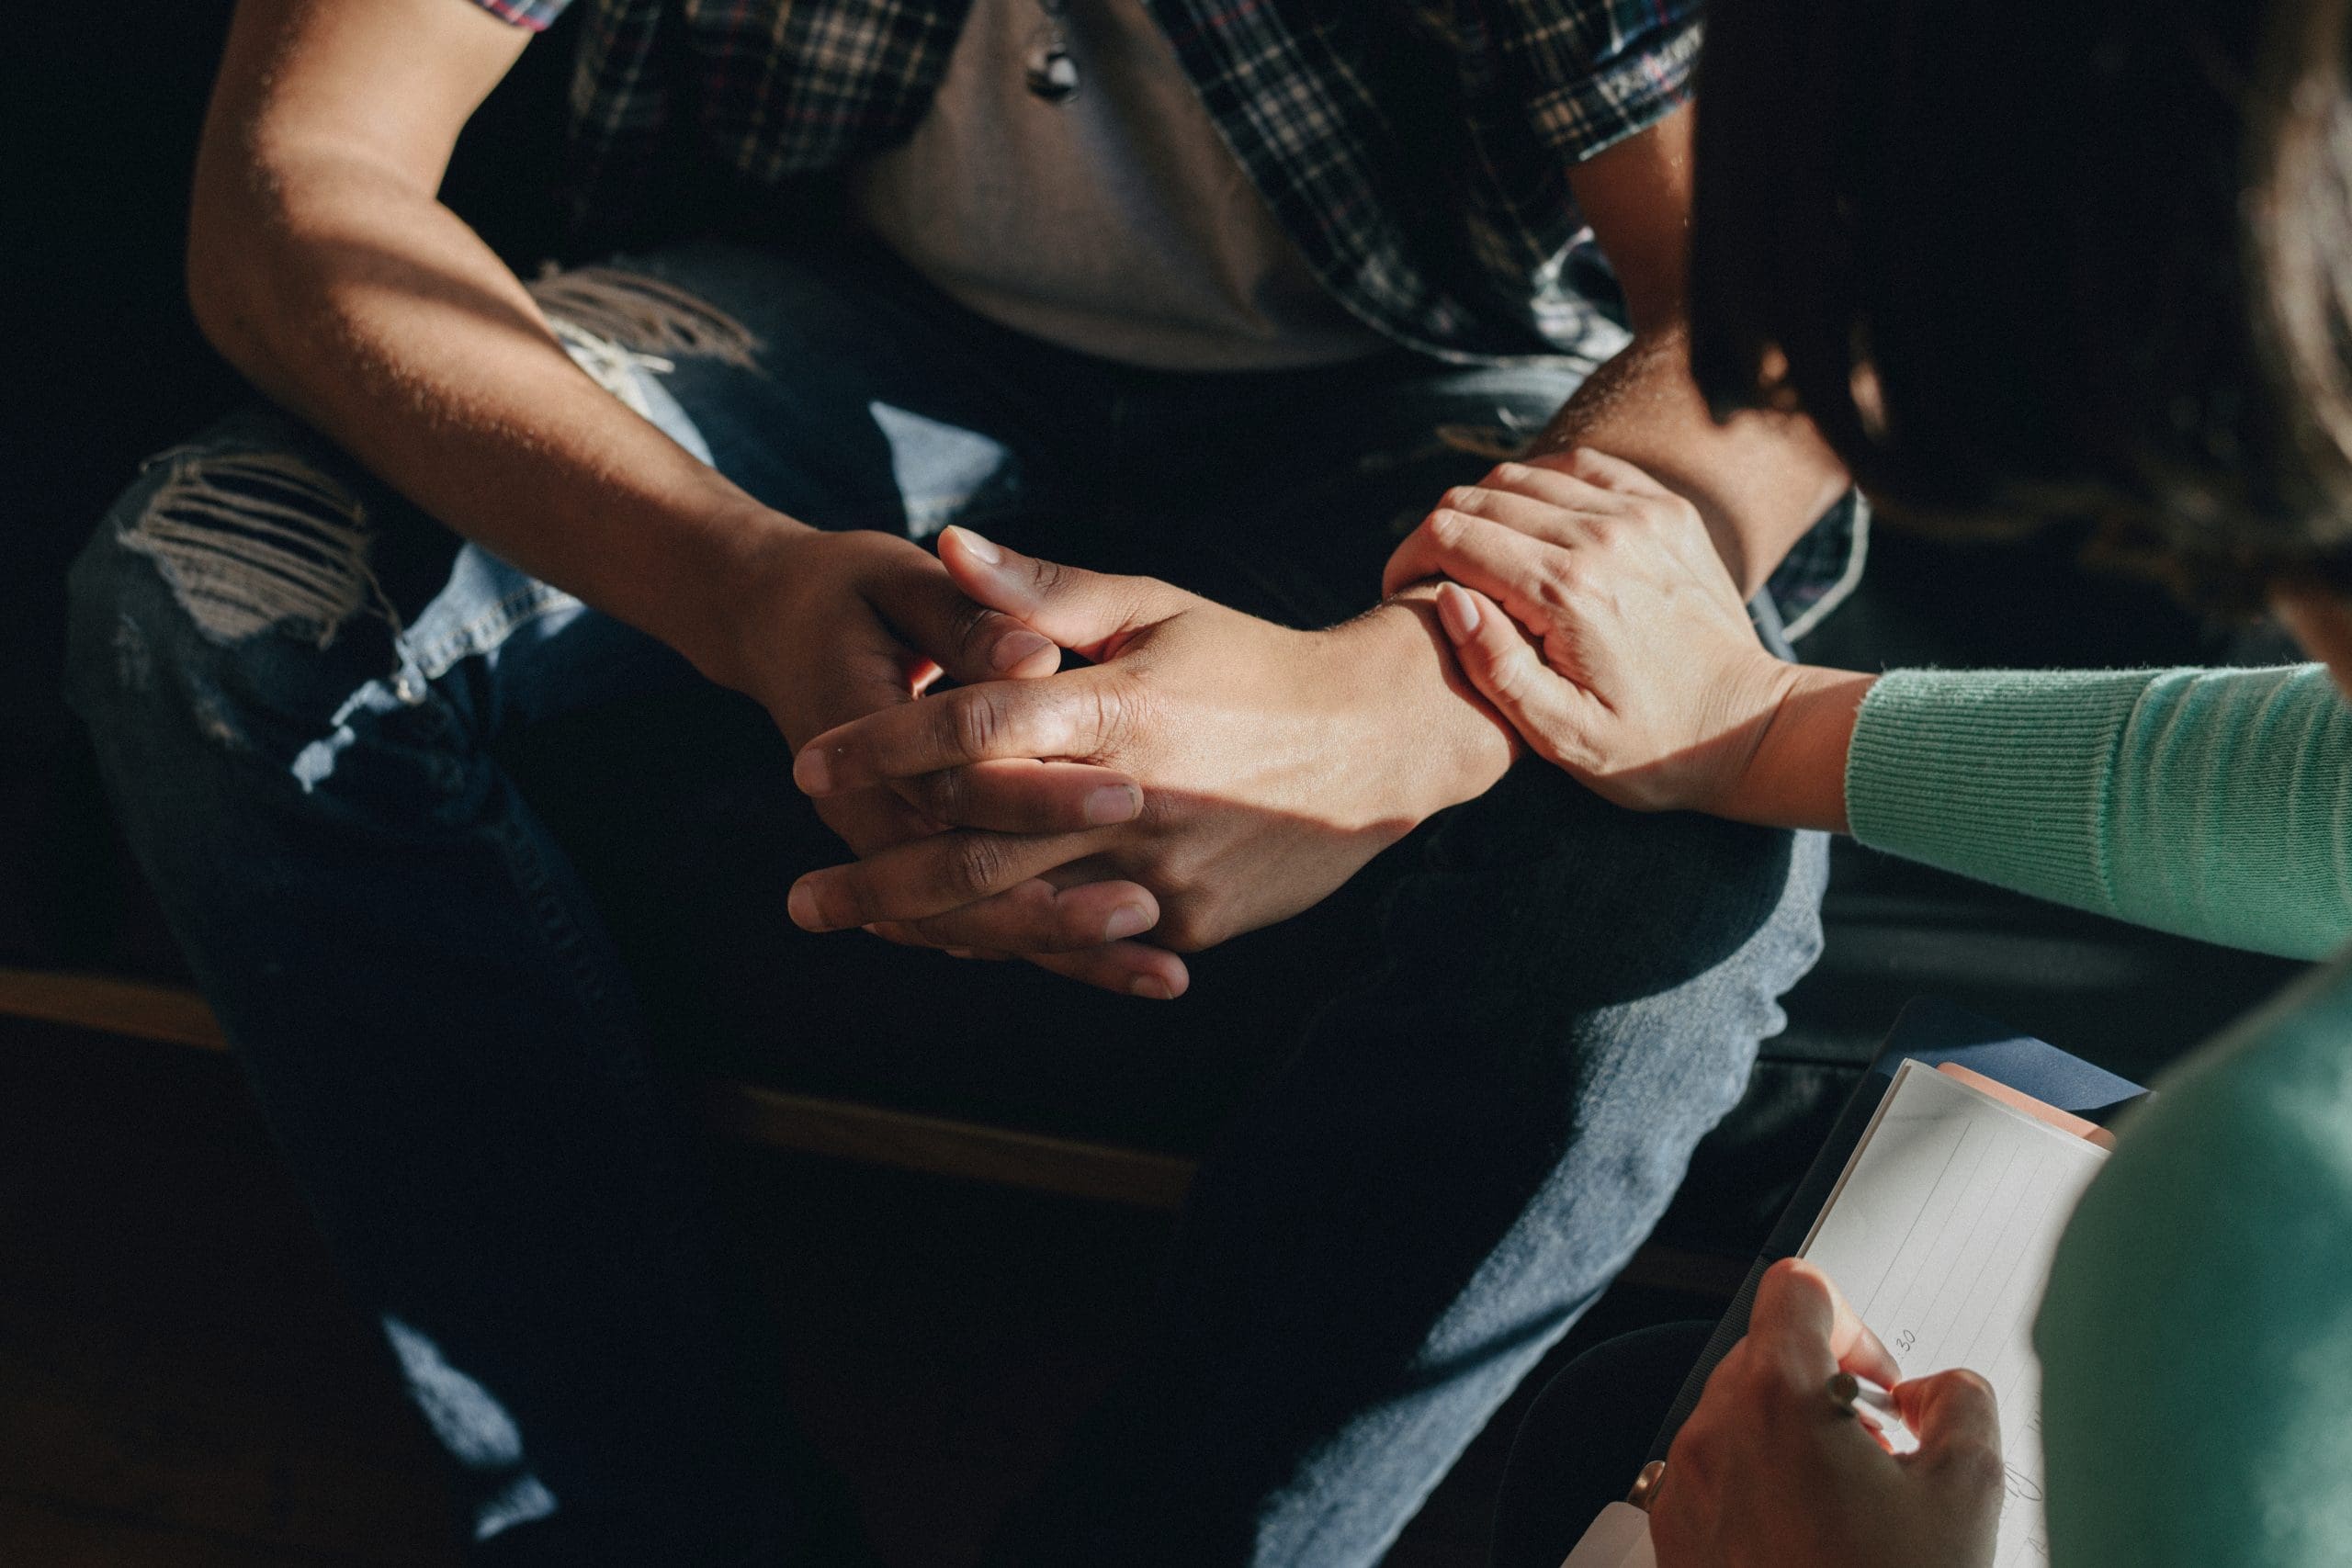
{"x":1089,"y":611}
{"x":1507,"y":670}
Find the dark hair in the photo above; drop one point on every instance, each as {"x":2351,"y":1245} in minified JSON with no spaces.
{"x":2023,"y":260}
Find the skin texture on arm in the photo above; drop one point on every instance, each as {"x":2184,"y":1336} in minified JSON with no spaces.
{"x":1760,"y":480}
{"x":323,"y":265}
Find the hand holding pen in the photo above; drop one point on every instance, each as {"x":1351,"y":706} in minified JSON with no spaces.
{"x":1780,"y":1467}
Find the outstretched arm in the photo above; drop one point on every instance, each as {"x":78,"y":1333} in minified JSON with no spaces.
{"x":1587,"y":606}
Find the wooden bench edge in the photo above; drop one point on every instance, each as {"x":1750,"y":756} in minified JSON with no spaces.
{"x":799,"y":1123}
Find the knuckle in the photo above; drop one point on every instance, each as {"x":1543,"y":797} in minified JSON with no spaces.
{"x":1182,"y":932}
{"x":975,"y":863}
{"x":967,"y":623}
{"x":1975,"y":1382}
{"x":975,"y":722}
{"x":1976,"y":1464}
{"x":1161,"y":812}
{"x":1561,"y":583}
{"x":1190,"y":918}
{"x":1051,"y":576}
{"x":1507,"y":677}
{"x":1113,"y":715}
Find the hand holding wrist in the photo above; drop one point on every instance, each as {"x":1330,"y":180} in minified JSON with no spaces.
{"x":1445,"y":742}
{"x":1588,"y":605}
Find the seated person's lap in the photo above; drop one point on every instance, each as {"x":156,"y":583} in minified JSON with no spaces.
{"x":1481,"y":1065}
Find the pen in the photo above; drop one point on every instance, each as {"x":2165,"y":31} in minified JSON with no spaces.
{"x":1854,"y":1395}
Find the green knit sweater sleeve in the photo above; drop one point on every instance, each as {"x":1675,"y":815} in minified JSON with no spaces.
{"x":2214,"y":803}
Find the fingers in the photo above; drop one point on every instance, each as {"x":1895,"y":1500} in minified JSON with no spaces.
{"x":1080,"y":715}
{"x":1802,"y":1320}
{"x":1560,"y":481}
{"x":1542,"y":705}
{"x":1089,"y":611}
{"x":972,"y":642}
{"x":1129,"y":968}
{"x":1958,"y":1421}
{"x":1800,"y":1307}
{"x":1037,"y":918}
{"x":1544,"y":504}
{"x":1565,"y":499}
{"x":1529,"y":577}
{"x":872,"y":819}
{"x":927,"y":877}
{"x":1604,"y":472}
{"x":1023,"y":796}
{"x":1852,"y":1345}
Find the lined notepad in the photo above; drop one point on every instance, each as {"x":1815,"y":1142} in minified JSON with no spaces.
{"x":1942,"y":1232}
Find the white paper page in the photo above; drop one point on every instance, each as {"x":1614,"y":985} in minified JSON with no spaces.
{"x":1941,"y":1234}
{"x":1618,"y":1538}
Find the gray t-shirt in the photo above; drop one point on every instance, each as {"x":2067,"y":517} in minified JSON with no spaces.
{"x":1116,"y":222}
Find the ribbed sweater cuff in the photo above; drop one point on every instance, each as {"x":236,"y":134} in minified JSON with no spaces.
{"x":1989,"y":773}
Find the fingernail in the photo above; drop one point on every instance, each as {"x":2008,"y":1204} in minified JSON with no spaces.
{"x":1125,"y":921}
{"x":1112,"y":803}
{"x":1459,"y":612}
{"x":982,"y":551}
{"x":1018,"y":647}
{"x":802,"y":905}
{"x":1151,"y":987}
{"x":813,"y":771}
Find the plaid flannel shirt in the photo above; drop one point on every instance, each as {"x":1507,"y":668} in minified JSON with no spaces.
{"x":1416,"y":151}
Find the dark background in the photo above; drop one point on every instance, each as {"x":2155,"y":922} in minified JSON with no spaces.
{"x":103,"y":105}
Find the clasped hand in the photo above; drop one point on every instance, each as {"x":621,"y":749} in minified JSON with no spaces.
{"x":1206,"y":774}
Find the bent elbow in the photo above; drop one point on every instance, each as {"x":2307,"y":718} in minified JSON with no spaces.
{"x":216,"y":271}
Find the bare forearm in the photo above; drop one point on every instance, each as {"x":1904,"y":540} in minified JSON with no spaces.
{"x":1457,"y":745}
{"x":1797,"y":776}
{"x":1759,"y":481}
{"x":359,"y":301}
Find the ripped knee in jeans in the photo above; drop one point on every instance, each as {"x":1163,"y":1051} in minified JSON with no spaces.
{"x":251,"y":542}
{"x":615,"y":322}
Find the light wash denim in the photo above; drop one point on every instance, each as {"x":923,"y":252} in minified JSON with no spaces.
{"x":300,"y":689}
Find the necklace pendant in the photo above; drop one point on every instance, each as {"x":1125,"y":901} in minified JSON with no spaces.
{"x":1052,"y":73}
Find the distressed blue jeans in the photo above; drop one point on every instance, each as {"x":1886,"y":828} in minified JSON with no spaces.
{"x":1477,"y":1098}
